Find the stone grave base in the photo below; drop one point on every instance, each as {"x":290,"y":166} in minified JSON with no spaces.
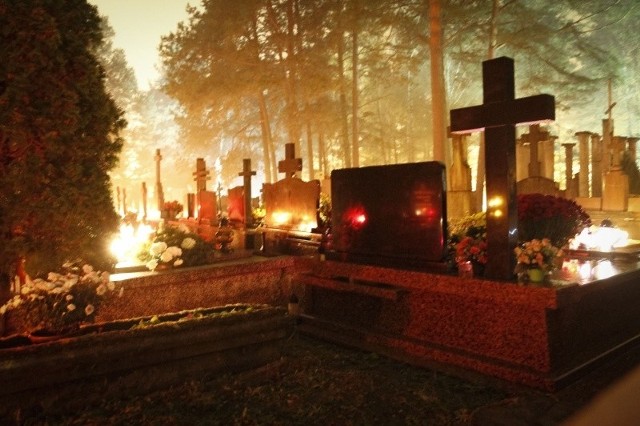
{"x":130,"y":357}
{"x":541,"y":337}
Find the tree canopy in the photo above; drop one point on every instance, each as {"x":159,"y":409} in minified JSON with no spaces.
{"x":58,"y":136}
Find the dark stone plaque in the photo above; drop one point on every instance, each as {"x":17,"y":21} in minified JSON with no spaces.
{"x":390,"y":215}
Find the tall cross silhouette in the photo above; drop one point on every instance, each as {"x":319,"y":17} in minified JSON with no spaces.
{"x":498,"y":116}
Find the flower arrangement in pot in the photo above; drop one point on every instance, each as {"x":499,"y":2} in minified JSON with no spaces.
{"x":536,"y":258}
{"x":546,"y":216}
{"x":469,"y":243}
{"x":174,"y":246}
{"x":171,"y":209}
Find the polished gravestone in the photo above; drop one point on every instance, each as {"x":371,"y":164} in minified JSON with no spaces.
{"x":390,"y":215}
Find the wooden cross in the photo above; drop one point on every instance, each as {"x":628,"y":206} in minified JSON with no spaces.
{"x":498,"y":116}
{"x":290,"y":165}
{"x":246,"y":173}
{"x":201,"y":175}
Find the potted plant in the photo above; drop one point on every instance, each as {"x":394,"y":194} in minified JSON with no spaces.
{"x":546,"y":216}
{"x":536,"y":258}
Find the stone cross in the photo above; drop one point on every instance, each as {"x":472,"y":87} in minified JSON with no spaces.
{"x":246,"y":173}
{"x":291,"y":165}
{"x":201,"y":175}
{"x":534,"y":137}
{"x":159,"y":192}
{"x":498,"y":115}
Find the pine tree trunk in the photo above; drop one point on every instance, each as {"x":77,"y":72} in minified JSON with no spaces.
{"x":438,"y":96}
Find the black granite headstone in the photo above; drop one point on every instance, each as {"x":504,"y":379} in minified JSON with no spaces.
{"x":390,"y":215}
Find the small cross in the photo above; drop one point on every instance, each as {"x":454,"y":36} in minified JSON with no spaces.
{"x":290,"y":165}
{"x":534,"y":136}
{"x":246,"y":173}
{"x":498,"y":115}
{"x":201,"y":175}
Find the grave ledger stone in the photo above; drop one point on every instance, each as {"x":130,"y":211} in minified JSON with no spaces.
{"x":390,"y":215}
{"x":498,"y":116}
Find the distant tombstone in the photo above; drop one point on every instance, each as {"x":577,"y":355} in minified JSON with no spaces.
{"x":498,"y":115}
{"x":570,"y":191}
{"x":207,"y":207}
{"x":159,"y":191}
{"x":235,"y":204}
{"x":191,"y":205}
{"x":246,"y":173}
{"x":291,"y":203}
{"x":460,"y":197}
{"x":390,"y":215}
{"x":144,"y":201}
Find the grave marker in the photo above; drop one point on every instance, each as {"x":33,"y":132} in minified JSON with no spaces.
{"x":498,"y":116}
{"x":246,"y":175}
{"x":291,"y":165}
{"x":159,"y":191}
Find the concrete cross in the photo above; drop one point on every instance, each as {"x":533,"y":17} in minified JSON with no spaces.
{"x":246,"y":173}
{"x":498,"y":116}
{"x":290,"y":165}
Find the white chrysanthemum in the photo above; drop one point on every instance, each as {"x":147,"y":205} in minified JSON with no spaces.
{"x":105,"y":276}
{"x":167,"y":256}
{"x":70,"y":281}
{"x":53,"y":276}
{"x":111,"y":285}
{"x":101,"y":289}
{"x":183,"y":228}
{"x":158,"y":248}
{"x":175,"y":251}
{"x":71,"y":307}
{"x":178,"y":262}
{"x":87,"y":269}
{"x":188,"y":243}
{"x":152,"y":264}
{"x":68,"y":297}
{"x":89,"y":309}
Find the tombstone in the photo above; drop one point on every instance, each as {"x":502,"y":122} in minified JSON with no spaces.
{"x":159,"y":191}
{"x":538,"y":180}
{"x":235,"y":205}
{"x":460,"y":197}
{"x":291,"y":203}
{"x":498,"y":115}
{"x":583,"y":182}
{"x":246,"y":174}
{"x":191,"y":205}
{"x":390,"y":215}
{"x":206,"y":201}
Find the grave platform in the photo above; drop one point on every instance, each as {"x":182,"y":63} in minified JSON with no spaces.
{"x":543,"y":337}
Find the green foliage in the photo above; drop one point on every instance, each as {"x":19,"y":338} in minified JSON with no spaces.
{"x":58,"y":136}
